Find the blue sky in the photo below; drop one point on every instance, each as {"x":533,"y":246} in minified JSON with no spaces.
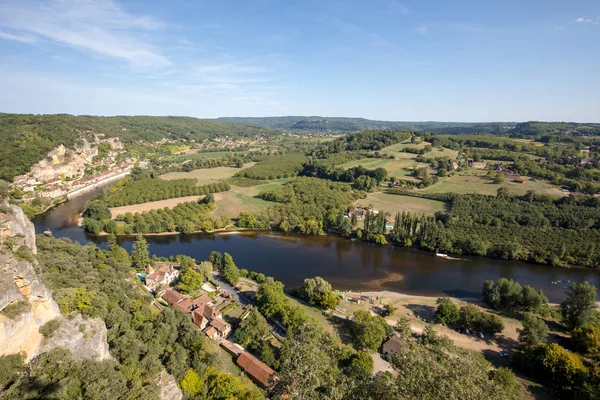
{"x":381,"y":59}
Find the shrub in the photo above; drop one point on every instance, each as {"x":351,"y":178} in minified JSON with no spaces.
{"x":15,"y":309}
{"x":49,"y":328}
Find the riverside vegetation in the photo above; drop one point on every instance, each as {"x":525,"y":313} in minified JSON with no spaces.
{"x":532,"y":227}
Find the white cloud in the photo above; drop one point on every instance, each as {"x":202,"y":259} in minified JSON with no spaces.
{"x":399,"y":7}
{"x":18,"y":38}
{"x":588,"y":20}
{"x":97,"y":26}
{"x":423,"y":29}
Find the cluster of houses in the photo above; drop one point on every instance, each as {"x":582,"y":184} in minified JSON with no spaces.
{"x":207,"y":317}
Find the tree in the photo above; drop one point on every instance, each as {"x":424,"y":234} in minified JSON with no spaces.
{"x":586,"y":339}
{"x":447,"y":312}
{"x":216,"y":259}
{"x":579,"y":306}
{"x":231,"y":273}
{"x":534,"y":331}
{"x":502,"y":192}
{"x":388,"y":310}
{"x":317,"y":291}
{"x":97,"y":210}
{"x":205,"y":269}
{"x":403,"y":327}
{"x":190,"y":281}
{"x":141,"y":257}
{"x":558,"y":366}
{"x":369,"y":331}
{"x":192,"y":383}
{"x":186,"y":262}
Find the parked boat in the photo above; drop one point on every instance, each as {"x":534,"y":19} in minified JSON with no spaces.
{"x":441,"y":255}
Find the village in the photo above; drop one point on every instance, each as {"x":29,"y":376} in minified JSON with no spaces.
{"x":209,"y":308}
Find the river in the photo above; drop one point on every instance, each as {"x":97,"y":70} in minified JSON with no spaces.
{"x":346,"y":264}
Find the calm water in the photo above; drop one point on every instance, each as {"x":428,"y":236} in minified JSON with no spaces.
{"x":346,"y":264}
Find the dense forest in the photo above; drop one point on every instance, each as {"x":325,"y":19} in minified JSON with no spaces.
{"x":533,"y":228}
{"x":26,"y":139}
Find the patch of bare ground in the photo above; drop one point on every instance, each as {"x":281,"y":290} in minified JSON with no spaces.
{"x":151,"y":205}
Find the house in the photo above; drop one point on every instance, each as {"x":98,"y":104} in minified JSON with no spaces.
{"x":392,"y":346}
{"x":223,"y":328}
{"x":199,"y":319}
{"x":177,"y":300}
{"x":211,"y":332}
{"x":359,"y":213}
{"x":164,"y":276}
{"x":202,"y":301}
{"x":257,"y":370}
{"x":478,"y":164}
{"x":519,"y":180}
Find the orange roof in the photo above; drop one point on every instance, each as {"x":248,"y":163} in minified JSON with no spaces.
{"x":220,"y":325}
{"x":210,"y":332}
{"x":181,"y":307}
{"x":256,"y":369}
{"x":204,"y":299}
{"x":172,"y":297}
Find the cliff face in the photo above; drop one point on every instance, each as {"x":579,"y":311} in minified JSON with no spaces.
{"x":26,"y":304}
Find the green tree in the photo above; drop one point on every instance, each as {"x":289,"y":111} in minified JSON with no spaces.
{"x":447,"y":313}
{"x":534,"y":331}
{"x":586,"y":339}
{"x":141,"y":256}
{"x":231,"y":273}
{"x":368,"y":331}
{"x":97,"y":210}
{"x":216,"y":259}
{"x":186,"y":262}
{"x":205,"y":268}
{"x":192,"y":383}
{"x":190,"y":281}
{"x":403,"y":327}
{"x":579,"y":306}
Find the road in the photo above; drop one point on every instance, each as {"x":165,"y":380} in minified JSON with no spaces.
{"x":231,"y":290}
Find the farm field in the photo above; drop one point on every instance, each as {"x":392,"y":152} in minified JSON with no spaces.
{"x":393,"y":167}
{"x":394,"y":204}
{"x":466,"y":184}
{"x":207,"y":175}
{"x":151,"y":205}
{"x":239,"y":199}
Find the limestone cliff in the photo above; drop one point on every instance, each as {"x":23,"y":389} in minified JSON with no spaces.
{"x":26,"y":304}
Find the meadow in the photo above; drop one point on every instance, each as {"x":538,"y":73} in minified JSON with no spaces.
{"x":395,"y":204}
{"x":205,"y":176}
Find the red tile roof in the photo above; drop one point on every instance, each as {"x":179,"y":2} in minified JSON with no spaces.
{"x":172,"y":297}
{"x":256,"y":369}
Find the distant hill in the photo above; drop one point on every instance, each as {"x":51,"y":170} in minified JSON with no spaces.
{"x":26,"y":138}
{"x":341,"y":124}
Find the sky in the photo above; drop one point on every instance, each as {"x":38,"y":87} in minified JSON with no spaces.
{"x":420,"y":60}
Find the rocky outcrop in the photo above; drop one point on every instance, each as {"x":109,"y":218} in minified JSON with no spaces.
{"x":85,"y":338}
{"x":168,"y":387}
{"x":26,"y":304}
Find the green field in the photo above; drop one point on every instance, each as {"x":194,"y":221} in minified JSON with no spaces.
{"x":395,"y":150}
{"x":239,"y":199}
{"x":394,"y":204}
{"x":481,"y":185}
{"x":194,"y":156}
{"x":206,"y":176}
{"x":393,"y":167}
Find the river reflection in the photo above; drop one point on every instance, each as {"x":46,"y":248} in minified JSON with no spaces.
{"x":346,"y":264}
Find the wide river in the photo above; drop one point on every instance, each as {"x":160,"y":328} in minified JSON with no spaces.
{"x":346,"y":264}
